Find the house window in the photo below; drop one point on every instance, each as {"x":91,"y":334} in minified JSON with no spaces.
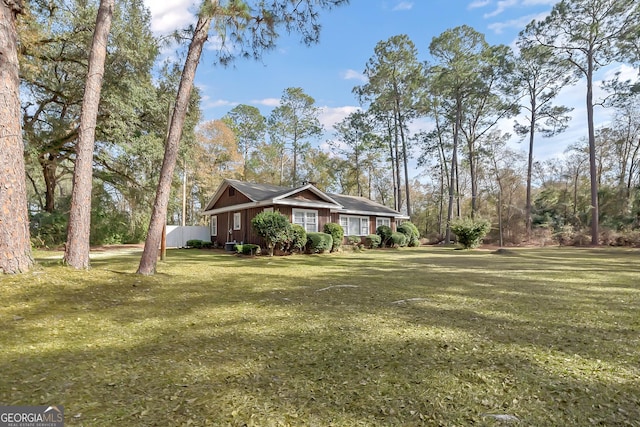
{"x":232,"y":191}
{"x":214,"y":225}
{"x":355,"y":225}
{"x":267,"y":210}
{"x":236,"y":220}
{"x":383,"y":221}
{"x":307,"y":219}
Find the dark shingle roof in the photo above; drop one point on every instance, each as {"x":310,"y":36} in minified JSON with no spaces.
{"x":258,"y":192}
{"x":362,"y":204}
{"x":348,"y":204}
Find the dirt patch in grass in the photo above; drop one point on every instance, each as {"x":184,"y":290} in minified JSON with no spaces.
{"x":420,"y":336}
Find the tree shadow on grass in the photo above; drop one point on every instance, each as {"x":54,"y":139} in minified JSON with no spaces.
{"x":231,"y":342}
{"x":277,"y":370}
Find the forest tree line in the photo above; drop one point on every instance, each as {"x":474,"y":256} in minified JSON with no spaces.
{"x":465,"y":88}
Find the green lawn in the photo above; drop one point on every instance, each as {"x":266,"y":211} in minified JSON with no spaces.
{"x":423,"y":336}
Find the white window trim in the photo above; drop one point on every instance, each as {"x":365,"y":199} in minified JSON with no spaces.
{"x":237,"y":220}
{"x":214,"y":225}
{"x":347,"y":218}
{"x":305,"y":212}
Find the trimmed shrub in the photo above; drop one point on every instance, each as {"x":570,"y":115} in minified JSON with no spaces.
{"x":372,"y":241}
{"x":384,"y":231}
{"x":337,"y":233}
{"x":398,"y":240}
{"x":249,"y":249}
{"x":354,"y":240}
{"x":195,"y":243}
{"x":299,"y":239}
{"x":412,"y":233}
{"x":470,"y":232}
{"x":319,"y":242}
{"x":273,"y":227}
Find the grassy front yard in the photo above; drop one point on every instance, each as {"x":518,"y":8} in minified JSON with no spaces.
{"x":423,"y":336}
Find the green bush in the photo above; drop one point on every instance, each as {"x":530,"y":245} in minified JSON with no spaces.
{"x":337,"y":233}
{"x":48,"y":229}
{"x":470,"y":232}
{"x":249,"y":249}
{"x":299,"y":237}
{"x":372,"y":241}
{"x":354,"y":240}
{"x":109,"y":225}
{"x":319,"y":242}
{"x":398,"y":239}
{"x":384,"y":231}
{"x":195,"y":243}
{"x":273,"y":227}
{"x":412,"y":233}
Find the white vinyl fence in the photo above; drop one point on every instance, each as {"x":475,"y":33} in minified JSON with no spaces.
{"x":177,"y":236}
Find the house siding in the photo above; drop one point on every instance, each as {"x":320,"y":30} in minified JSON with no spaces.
{"x":246,"y":234}
{"x":227,"y":200}
{"x":306,"y":195}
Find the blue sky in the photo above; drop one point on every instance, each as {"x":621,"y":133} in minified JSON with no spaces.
{"x":329,"y":70}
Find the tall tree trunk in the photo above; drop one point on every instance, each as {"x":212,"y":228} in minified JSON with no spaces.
{"x":454,"y":166}
{"x":532,"y":130}
{"x":393,"y":167}
{"x":48,"y":164}
{"x":404,"y":158}
{"x":474,"y":177}
{"x":441,"y":204}
{"x":593,"y":170}
{"x":76,"y":253}
{"x":396,"y":151}
{"x":357,"y":161}
{"x":15,"y":242}
{"x":500,"y":226}
{"x":406,"y":172}
{"x":444,"y":175}
{"x":158,"y":217}
{"x":294,"y":171}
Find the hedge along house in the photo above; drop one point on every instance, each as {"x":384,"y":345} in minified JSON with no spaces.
{"x":236,"y":203}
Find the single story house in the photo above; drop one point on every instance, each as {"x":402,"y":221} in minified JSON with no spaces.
{"x":236,"y":203}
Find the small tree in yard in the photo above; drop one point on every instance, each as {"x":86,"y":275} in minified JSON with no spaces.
{"x":470,"y":232}
{"x":273,"y":227}
{"x":299,"y":239}
{"x":337,"y":233}
{"x":384,"y":231}
{"x":412,"y":233}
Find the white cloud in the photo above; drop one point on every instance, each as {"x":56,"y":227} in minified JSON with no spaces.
{"x":539,"y":2}
{"x":518,"y":23}
{"x":267,"y":102}
{"x":217,"y":103}
{"x":168,"y":16}
{"x":477,"y":4}
{"x":625,"y":72}
{"x":353,"y":75}
{"x":501,"y":7}
{"x":329,"y":116}
{"x":403,"y":5}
